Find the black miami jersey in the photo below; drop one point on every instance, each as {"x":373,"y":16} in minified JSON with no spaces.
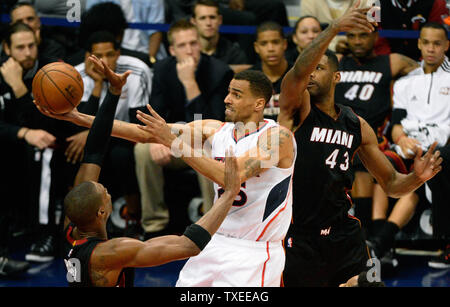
{"x":323,"y":173}
{"x":365,"y":87}
{"x":78,"y":258}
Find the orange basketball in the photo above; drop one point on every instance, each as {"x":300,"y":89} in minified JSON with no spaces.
{"x":58,"y":87}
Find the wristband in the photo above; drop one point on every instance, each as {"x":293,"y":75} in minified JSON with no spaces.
{"x":364,"y":282}
{"x":197,"y":234}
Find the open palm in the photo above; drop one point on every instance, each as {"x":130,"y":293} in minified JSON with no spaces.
{"x":117,"y":81}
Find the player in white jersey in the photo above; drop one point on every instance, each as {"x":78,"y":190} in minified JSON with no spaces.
{"x":247,"y":250}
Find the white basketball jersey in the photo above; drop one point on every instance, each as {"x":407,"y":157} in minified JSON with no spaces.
{"x":263,"y":208}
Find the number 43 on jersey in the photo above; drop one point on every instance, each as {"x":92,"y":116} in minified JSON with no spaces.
{"x":331,"y":160}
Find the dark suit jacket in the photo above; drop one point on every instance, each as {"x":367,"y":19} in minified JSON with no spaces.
{"x":168,"y":97}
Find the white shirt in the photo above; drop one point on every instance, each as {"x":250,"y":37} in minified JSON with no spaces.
{"x":139,"y":11}
{"x":262,"y":210}
{"x":135,"y":93}
{"x":426,"y":99}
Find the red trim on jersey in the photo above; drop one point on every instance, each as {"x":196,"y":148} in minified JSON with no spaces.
{"x":221,"y":126}
{"x":276,"y":215}
{"x":264,"y":267}
{"x":399,"y":164}
{"x":249,"y":133}
{"x":71,"y":240}
{"x":68,"y":237}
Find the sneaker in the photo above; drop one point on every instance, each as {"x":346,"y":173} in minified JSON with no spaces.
{"x":389,"y":264}
{"x":10,"y":267}
{"x":442,"y":261}
{"x":374,"y":248}
{"x":42,"y":251}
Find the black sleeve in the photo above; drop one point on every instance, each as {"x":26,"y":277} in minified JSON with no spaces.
{"x":89,"y":107}
{"x":100,"y":132}
{"x":8,"y":132}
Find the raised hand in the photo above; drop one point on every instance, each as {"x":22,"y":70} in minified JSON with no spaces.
{"x":157,"y":128}
{"x":232,"y":178}
{"x":116,"y":81}
{"x":429,"y":165}
{"x":355,"y":18}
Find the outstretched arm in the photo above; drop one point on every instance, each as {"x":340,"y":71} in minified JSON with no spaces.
{"x":274,"y":148}
{"x":125,"y":252}
{"x":99,"y":135}
{"x":293,"y":96}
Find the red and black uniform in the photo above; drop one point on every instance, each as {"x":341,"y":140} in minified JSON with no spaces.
{"x":324,"y":245}
{"x":82,"y":251}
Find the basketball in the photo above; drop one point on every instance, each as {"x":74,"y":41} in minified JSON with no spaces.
{"x":58,"y":87}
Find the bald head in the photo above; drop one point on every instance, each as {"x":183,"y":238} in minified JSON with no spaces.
{"x":82,"y":203}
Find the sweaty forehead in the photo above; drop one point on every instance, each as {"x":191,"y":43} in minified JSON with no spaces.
{"x":239,"y":85}
{"x":324,"y":60}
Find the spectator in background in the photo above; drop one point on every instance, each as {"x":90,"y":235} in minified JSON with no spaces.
{"x":118,"y":172}
{"x":206,"y":17}
{"x":365,"y":86}
{"x":328,"y":10}
{"x":109,"y":17}
{"x":237,"y":12}
{"x":66,"y":36}
{"x":26,"y":13}
{"x":306,"y":29}
{"x":185,"y":84}
{"x":47,"y":177}
{"x":271,"y":45}
{"x":149,"y":42}
{"x":409,"y":15}
{"x":421,"y":116}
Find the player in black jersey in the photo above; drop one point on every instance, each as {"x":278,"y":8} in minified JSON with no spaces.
{"x":96,"y":261}
{"x":365,"y":86}
{"x":324,"y":245}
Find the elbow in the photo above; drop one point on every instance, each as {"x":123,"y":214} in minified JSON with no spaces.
{"x":195,"y":251}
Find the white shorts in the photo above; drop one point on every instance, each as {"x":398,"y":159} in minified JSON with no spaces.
{"x":231,"y":262}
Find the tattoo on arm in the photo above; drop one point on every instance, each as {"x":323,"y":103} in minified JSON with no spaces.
{"x":408,"y":65}
{"x":251,"y":167}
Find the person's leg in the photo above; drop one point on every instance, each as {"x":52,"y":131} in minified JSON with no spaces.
{"x":380,"y":206}
{"x":362,"y":194}
{"x":150,"y":178}
{"x":305,"y":266}
{"x":440,"y":187}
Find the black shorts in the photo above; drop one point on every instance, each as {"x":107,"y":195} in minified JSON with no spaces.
{"x":325,"y":260}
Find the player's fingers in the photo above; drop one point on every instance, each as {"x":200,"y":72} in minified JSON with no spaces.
{"x":77,"y":155}
{"x":153,"y":112}
{"x":145,"y":118}
{"x":418,"y":151}
{"x":432,"y":148}
{"x":436,"y":160}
